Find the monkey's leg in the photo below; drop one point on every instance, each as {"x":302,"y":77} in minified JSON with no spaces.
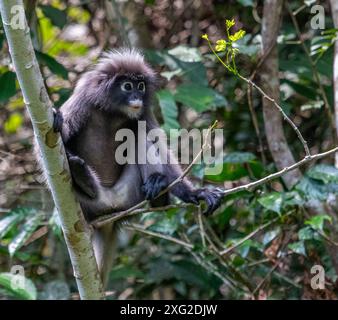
{"x":104,"y":243}
{"x":125,"y":193}
{"x":83,"y":178}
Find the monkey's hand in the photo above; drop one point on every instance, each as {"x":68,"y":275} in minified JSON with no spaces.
{"x":213,"y":198}
{"x":58,"y":121}
{"x":154,"y":185}
{"x":82,"y":176}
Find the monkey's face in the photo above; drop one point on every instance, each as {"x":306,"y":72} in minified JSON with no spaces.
{"x":131,"y":94}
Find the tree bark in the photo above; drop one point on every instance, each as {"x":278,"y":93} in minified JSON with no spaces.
{"x":76,"y":231}
{"x":334,"y":9}
{"x":273,"y":121}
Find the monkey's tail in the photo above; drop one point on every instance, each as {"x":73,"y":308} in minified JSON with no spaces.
{"x":104,"y":243}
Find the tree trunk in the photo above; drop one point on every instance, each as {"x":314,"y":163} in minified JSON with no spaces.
{"x":273,"y":121}
{"x":76,"y":231}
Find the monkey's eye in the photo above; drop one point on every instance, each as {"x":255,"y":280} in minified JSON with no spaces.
{"x":141,"y":86}
{"x":127,"y":86}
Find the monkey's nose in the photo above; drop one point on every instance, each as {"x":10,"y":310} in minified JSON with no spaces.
{"x":136,"y":104}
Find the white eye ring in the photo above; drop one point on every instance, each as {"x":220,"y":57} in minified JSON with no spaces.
{"x":141,"y":86}
{"x":127,"y":86}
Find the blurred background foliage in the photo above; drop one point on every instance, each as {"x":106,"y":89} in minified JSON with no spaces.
{"x":269,"y":236}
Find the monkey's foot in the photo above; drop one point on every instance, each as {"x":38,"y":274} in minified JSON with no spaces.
{"x":58,"y":121}
{"x":154,"y":185}
{"x":82,"y":176}
{"x":213,"y":199}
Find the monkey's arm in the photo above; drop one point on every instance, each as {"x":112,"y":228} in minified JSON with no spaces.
{"x":158,"y":176}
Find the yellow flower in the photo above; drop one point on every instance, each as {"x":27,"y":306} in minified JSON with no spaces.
{"x":229,"y":23}
{"x":238,"y":35}
{"x":205,"y":36}
{"x":220,"y":45}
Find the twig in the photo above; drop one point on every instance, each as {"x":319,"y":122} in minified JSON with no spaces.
{"x":265,"y":278}
{"x":140,"y":228}
{"x":279,"y":173}
{"x":201,"y":226}
{"x":250,"y":235}
{"x":262,"y":92}
{"x":127,"y":213}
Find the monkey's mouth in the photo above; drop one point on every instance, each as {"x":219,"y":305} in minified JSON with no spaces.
{"x":135,"y":108}
{"x":135,"y":105}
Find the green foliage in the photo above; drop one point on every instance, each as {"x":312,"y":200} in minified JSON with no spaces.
{"x":54,"y":66}
{"x":272,"y":201}
{"x":7,"y":86}
{"x":23,"y":222}
{"x":168,"y":109}
{"x":198,"y":97}
{"x":13,"y":123}
{"x":237,"y":165}
{"x":57,"y":17}
{"x":11,"y":283}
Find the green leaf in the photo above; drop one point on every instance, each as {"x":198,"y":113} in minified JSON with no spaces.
{"x":54,"y":66}
{"x":167,"y":225}
{"x":27,"y":230}
{"x":13,"y":123}
{"x":272,"y":201}
{"x":270,"y":235}
{"x":170,"y":74}
{"x":245,"y":247}
{"x":305,"y":90}
{"x":324,"y":172}
{"x":312,"y":189}
{"x":11,"y":283}
{"x":7,"y":223}
{"x":220,"y":45}
{"x":7,"y":86}
{"x":64,"y":94}
{"x":169,"y":109}
{"x":238,"y":35}
{"x":298,"y":247}
{"x":239,"y":157}
{"x":233,"y":167}
{"x":317,"y":222}
{"x":57,"y":17}
{"x":308,"y":233}
{"x":199,"y":97}
{"x":186,"y":54}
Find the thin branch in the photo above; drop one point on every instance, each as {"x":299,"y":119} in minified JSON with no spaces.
{"x":201,"y":226}
{"x":127,"y":213}
{"x":279,"y":173}
{"x":262,"y":92}
{"x":140,"y":228}
{"x":252,"y":234}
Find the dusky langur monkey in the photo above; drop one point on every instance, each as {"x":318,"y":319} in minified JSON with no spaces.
{"x":116,"y":94}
